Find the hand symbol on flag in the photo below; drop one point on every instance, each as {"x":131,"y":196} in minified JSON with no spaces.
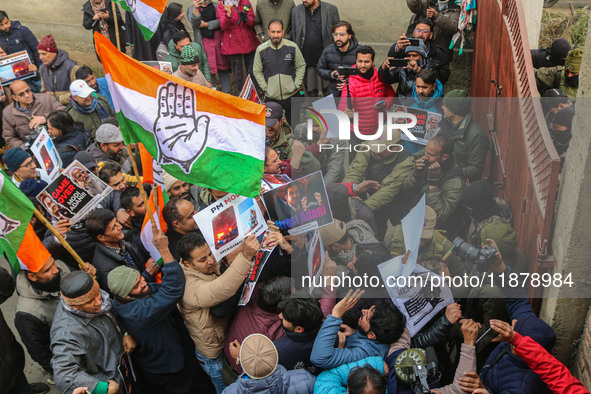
{"x":131,"y":5}
{"x":179,"y":134}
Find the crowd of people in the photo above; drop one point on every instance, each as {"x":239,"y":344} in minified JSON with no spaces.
{"x":130,"y":324}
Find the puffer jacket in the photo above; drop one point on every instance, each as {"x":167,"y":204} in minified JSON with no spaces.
{"x":57,"y":77}
{"x":332,"y":58}
{"x":281,"y":381}
{"x":237,"y":38}
{"x":174,"y":57}
{"x":69,"y":144}
{"x":431,"y":105}
{"x":203,"y":292}
{"x":15,"y":126}
{"x":334,"y":381}
{"x":20,"y":38}
{"x":365,"y":93}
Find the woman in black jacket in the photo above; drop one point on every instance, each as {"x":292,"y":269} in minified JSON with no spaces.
{"x":69,"y":137}
{"x":98,"y":16}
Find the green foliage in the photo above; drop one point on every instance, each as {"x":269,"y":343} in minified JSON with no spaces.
{"x":556,"y":25}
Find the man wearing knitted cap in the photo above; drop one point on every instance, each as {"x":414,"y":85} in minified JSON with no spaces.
{"x":21,"y":164}
{"x":58,"y":70}
{"x":147,"y":311}
{"x":189,"y":68}
{"x":87,"y":342}
{"x":560,"y":130}
{"x":258,"y":358}
{"x":406,"y":76}
{"x":27,"y":112}
{"x":470,"y":141}
{"x":87,"y":107}
{"x":565,"y":78}
{"x":181,"y":39}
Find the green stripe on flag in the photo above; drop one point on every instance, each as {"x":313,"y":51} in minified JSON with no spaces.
{"x":216,"y":169}
{"x":148,"y":34}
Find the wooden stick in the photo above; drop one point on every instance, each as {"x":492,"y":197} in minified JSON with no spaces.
{"x":142,"y":191}
{"x":116,"y":24}
{"x":64,"y":243}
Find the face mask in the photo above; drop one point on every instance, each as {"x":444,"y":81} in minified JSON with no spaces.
{"x":572,"y":81}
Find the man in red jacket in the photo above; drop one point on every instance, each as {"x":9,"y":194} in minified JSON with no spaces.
{"x":364,"y":95}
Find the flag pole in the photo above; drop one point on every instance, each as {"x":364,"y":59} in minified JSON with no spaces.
{"x":142,"y":191}
{"x":116,"y":24}
{"x":64,"y":243}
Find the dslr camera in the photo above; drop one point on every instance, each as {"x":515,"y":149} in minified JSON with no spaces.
{"x":347,"y":71}
{"x":483,"y":258}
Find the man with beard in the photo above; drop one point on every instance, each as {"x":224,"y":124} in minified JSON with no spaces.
{"x":189,"y":68}
{"x":38,"y":289}
{"x":279,"y":68}
{"x":277,"y":131}
{"x":343,"y":53}
{"x":98,"y":84}
{"x":565,"y":78}
{"x":178,"y":215}
{"x":109,"y":146}
{"x":87,"y":107}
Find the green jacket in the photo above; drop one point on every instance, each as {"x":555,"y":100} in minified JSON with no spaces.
{"x":267,"y":10}
{"x":391,"y":185}
{"x":470,"y":147}
{"x":174,"y":57}
{"x":282,"y":144}
{"x":553,"y":78}
{"x":91,"y":121}
{"x":445,"y":199}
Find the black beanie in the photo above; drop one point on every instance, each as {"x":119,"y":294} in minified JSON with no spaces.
{"x":478,"y":196}
{"x":560,"y":49}
{"x":564,"y":117}
{"x":76,"y":284}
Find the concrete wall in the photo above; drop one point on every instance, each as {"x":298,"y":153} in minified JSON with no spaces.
{"x":533,"y":20}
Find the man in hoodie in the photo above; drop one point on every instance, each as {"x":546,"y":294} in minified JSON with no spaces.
{"x":181,"y":39}
{"x":58,"y":70}
{"x":342,"y":53}
{"x":18,"y":38}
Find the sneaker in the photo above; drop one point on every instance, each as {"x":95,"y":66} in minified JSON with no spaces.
{"x":39,"y":388}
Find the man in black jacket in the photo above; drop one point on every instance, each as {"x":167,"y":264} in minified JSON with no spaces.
{"x":18,"y":38}
{"x":342,"y":53}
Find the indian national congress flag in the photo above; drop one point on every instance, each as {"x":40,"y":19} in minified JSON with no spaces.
{"x":147,"y":14}
{"x":196,"y":134}
{"x":16,"y":211}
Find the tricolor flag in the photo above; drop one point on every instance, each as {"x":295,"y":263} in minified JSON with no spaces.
{"x":152,"y":172}
{"x":32,"y":254}
{"x":196,"y":134}
{"x":249,"y":91}
{"x":155,"y":204}
{"x":16,"y":211}
{"x":146,"y":13}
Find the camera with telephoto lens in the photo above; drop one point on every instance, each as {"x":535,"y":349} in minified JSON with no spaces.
{"x":420,"y":377}
{"x":347,"y":71}
{"x":483,"y":258}
{"x":33,"y":135}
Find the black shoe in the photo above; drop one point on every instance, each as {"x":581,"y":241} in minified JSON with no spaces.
{"x":39,"y":388}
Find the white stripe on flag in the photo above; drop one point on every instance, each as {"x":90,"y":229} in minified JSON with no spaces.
{"x":146,"y":16}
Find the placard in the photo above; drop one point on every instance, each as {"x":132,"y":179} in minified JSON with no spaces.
{"x":258,"y":263}
{"x":162,"y":66}
{"x":427,"y":124}
{"x":47,"y":156}
{"x":15,"y":66}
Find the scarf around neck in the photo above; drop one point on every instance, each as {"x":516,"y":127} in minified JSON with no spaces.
{"x":102,"y":112}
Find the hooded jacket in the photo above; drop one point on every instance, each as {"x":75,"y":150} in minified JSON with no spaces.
{"x":332,"y":58}
{"x":174,"y":57}
{"x":334,"y":381}
{"x":69,"y":144}
{"x":238,"y":37}
{"x":15,"y":123}
{"x":433,"y":104}
{"x":280,"y":381}
{"x":20,"y":38}
{"x":57,"y":77}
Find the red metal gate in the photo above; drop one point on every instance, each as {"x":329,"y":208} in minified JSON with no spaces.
{"x":525,"y":162}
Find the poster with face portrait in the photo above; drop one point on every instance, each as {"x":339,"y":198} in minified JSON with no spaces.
{"x":299,"y":206}
{"x":273,"y":181}
{"x":162,"y":66}
{"x":227,"y":222}
{"x":15,"y":66}
{"x":47,"y":156}
{"x":258,"y":263}
{"x":427,"y":124}
{"x":73,"y":193}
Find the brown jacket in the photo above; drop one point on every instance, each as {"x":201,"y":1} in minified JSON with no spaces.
{"x":203,"y":292}
{"x":15,"y":126}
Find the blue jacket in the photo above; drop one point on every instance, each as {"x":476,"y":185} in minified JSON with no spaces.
{"x":357,"y":346}
{"x":505,"y":372}
{"x":334,"y":381}
{"x":433,"y":104}
{"x":103,"y":90}
{"x":279,"y":382}
{"x":148,"y":320}
{"x":294,"y":350}
{"x":20,"y":38}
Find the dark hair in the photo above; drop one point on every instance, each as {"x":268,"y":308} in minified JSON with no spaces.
{"x":97,"y":222}
{"x":276,"y":21}
{"x":292,"y":185}
{"x":272,"y":291}
{"x":387,"y":322}
{"x":111,"y":120}
{"x":303,"y":312}
{"x":171,"y":213}
{"x":369,"y":256}
{"x":188,"y":243}
{"x":127,"y":197}
{"x":3,"y":15}
{"x":180,"y":35}
{"x":109,"y":170}
{"x":173,"y":10}
{"x":428,"y":76}
{"x":268,"y":150}
{"x":445,"y":142}
{"x":424,"y":21}
{"x":347,"y":25}
{"x":63,"y":121}
{"x":83,"y":72}
{"x":361,"y":377}
{"x":364,"y":50}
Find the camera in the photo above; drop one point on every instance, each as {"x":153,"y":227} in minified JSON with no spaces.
{"x":33,"y":136}
{"x":483,"y":258}
{"x":347,"y":71}
{"x":420,"y":378}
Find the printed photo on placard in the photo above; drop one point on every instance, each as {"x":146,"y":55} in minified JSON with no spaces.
{"x":47,"y":156}
{"x":15,"y":66}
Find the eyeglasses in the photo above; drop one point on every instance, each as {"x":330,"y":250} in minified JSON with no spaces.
{"x":28,"y":164}
{"x":339,"y":34}
{"x":22,"y":94}
{"x":424,"y":31}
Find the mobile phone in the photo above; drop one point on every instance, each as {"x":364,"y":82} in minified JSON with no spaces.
{"x":414,"y":41}
{"x":397,"y":62}
{"x":104,"y":9}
